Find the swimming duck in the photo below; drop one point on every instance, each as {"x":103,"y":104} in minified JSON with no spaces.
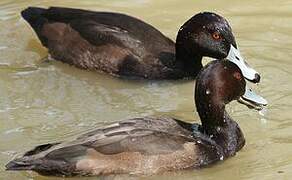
{"x":125,"y":46}
{"x":154,"y":144}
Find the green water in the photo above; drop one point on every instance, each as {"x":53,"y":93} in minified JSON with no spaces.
{"x":45,"y":102}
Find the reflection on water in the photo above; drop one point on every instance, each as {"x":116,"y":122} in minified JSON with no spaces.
{"x":47,"y":101}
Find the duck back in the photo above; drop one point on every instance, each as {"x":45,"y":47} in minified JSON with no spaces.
{"x":110,"y":42}
{"x":138,"y":146}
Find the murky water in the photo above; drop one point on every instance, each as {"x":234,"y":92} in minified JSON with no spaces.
{"x":43,"y":102}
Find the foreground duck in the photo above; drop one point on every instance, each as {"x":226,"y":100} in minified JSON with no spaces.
{"x":149,"y":145}
{"x":122,"y":45}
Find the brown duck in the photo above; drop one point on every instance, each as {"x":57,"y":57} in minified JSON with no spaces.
{"x":125,"y":46}
{"x":149,"y":145}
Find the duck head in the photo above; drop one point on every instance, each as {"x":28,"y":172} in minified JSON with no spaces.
{"x":219,"y":83}
{"x":208,"y":34}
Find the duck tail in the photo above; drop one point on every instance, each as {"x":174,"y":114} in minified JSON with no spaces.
{"x":28,"y":161}
{"x":36,"y":160}
{"x":19,"y":165}
{"x":43,"y":166}
{"x":36,"y":18}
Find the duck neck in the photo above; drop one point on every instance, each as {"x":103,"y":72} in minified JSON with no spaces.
{"x":189,"y":62}
{"x":218,"y":125}
{"x":212,"y":117}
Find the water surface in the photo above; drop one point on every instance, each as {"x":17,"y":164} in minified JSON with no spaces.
{"x":44,"y":102}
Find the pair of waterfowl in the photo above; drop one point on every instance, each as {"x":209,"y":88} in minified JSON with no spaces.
{"x":125,"y":46}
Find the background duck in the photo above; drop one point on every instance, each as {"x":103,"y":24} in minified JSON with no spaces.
{"x":122,"y":45}
{"x":151,"y":144}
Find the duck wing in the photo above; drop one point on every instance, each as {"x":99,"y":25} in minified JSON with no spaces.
{"x":130,"y":142}
{"x":110,"y":42}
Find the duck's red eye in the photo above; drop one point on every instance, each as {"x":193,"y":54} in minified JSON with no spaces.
{"x":216,"y":35}
{"x":237,"y":76}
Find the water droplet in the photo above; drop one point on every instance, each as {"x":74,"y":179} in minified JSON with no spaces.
{"x":208,"y":91}
{"x":263,"y":112}
{"x":263,"y":121}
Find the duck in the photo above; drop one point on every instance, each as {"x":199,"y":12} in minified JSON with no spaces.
{"x":150,"y":145}
{"x":127,"y":47}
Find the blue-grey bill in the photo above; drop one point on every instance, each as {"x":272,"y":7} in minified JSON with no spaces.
{"x":252,"y":100}
{"x":235,"y":57}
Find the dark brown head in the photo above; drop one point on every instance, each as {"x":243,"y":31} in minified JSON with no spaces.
{"x":219,"y":83}
{"x":208,"y":34}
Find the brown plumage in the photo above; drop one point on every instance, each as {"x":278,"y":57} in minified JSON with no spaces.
{"x":151,"y":145}
{"x":125,"y":46}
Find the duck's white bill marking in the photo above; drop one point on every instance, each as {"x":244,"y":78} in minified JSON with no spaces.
{"x":252,"y":100}
{"x":235,"y":57}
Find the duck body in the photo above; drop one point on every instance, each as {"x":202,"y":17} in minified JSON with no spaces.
{"x":125,"y":46}
{"x":102,"y":41}
{"x":149,"y":145}
{"x":139,"y":146}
